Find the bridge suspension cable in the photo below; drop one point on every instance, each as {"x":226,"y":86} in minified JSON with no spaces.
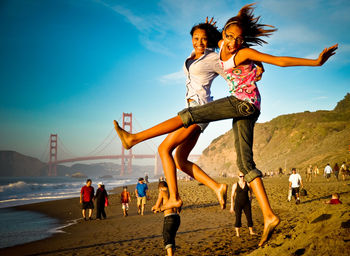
{"x":45,"y":155}
{"x":65,"y":149}
{"x":147,"y":142}
{"x":97,"y":150}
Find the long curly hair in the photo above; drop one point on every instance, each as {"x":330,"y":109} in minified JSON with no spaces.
{"x":213,"y":34}
{"x":252,"y":30}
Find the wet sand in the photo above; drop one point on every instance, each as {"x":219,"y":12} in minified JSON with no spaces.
{"x":311,"y":228}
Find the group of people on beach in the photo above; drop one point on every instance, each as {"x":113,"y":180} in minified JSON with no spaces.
{"x":241,"y":66}
{"x":87,"y":198}
{"x":342,"y":171}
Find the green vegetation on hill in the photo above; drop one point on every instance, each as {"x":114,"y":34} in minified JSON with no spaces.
{"x":293,"y":140}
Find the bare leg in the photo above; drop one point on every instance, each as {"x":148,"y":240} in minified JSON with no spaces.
{"x":139,"y":209}
{"x":270,"y":219}
{"x":169,"y":251}
{"x":237,"y":232}
{"x":142,"y":208}
{"x":129,"y":140}
{"x":251,"y":231}
{"x":83,"y":212}
{"x":90,"y":213}
{"x":193,"y":170}
{"x":184,"y":139}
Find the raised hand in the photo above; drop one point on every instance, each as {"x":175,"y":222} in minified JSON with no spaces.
{"x":211,"y":21}
{"x":326,"y":54}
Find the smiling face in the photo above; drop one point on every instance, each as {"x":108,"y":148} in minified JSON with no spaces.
{"x":233,"y":39}
{"x":199,"y":42}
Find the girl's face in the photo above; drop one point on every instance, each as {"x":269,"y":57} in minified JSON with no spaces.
{"x":233,"y":38}
{"x":199,"y":42}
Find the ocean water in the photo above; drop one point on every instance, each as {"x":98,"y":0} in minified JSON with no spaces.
{"x":25,"y":190}
{"x":18,"y":227}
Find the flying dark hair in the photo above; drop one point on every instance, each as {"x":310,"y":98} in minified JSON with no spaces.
{"x":213,"y":34}
{"x":252,"y":30}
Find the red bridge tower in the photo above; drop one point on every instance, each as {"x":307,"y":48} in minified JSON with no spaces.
{"x":127,"y":122}
{"x":53,"y":155}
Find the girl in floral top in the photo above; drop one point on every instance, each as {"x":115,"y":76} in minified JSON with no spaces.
{"x":243,"y":106}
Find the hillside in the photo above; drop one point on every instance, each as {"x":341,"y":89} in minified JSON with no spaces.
{"x":294,"y":140}
{"x":16,"y":164}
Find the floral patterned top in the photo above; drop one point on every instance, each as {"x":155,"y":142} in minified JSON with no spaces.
{"x":241,"y":80}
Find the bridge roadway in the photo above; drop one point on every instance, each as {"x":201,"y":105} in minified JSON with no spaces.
{"x":87,"y":158}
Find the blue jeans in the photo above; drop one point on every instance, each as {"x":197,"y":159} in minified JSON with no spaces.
{"x":244,"y":116}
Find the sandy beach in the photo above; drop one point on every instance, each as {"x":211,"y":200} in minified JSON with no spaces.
{"x":311,"y":228}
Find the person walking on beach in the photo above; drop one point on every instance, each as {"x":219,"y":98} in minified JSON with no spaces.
{"x":343,"y":170}
{"x":336,"y":170}
{"x":309,"y":173}
{"x":87,"y":193}
{"x":328,"y":171}
{"x":295,"y":182}
{"x":243,"y":106}
{"x":142,"y":195}
{"x":125,"y":199}
{"x":101,"y":196}
{"x":171,"y":218}
{"x":241,"y":200}
{"x":316,"y":171}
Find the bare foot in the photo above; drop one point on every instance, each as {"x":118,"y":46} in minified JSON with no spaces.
{"x":253,"y":234}
{"x":123,"y":135}
{"x":222,"y":195}
{"x":269,"y":227}
{"x":238,"y":235}
{"x":170,"y":204}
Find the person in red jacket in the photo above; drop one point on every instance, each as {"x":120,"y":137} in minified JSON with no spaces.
{"x":86,"y":199}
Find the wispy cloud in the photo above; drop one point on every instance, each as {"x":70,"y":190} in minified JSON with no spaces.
{"x":150,"y":25}
{"x":320,"y":98}
{"x":173,"y":78}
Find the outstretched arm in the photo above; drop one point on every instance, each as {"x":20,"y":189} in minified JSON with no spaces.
{"x":251,"y":54}
{"x":156,"y":207}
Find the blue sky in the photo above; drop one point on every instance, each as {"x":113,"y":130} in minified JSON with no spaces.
{"x":71,"y":67}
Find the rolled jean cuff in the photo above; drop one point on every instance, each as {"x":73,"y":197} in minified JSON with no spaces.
{"x":251,"y":175}
{"x":186,"y":117}
{"x":169,"y":246}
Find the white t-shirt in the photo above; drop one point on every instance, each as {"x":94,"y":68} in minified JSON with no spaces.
{"x":295,"y":179}
{"x":328,"y":170}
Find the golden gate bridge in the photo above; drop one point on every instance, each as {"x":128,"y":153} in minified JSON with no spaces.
{"x":126,"y":156}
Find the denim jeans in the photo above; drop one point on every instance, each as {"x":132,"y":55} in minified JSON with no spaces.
{"x":170,"y":226}
{"x":244,"y":116}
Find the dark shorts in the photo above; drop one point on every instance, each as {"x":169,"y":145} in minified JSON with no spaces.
{"x":87,"y":205}
{"x":328,"y":175}
{"x":295,"y":191}
{"x":170,"y":227}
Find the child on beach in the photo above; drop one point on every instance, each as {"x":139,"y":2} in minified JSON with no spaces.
{"x":171,"y":218}
{"x":241,"y":198}
{"x":334,"y":200}
{"x":243,"y":106}
{"x":125,"y":199}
